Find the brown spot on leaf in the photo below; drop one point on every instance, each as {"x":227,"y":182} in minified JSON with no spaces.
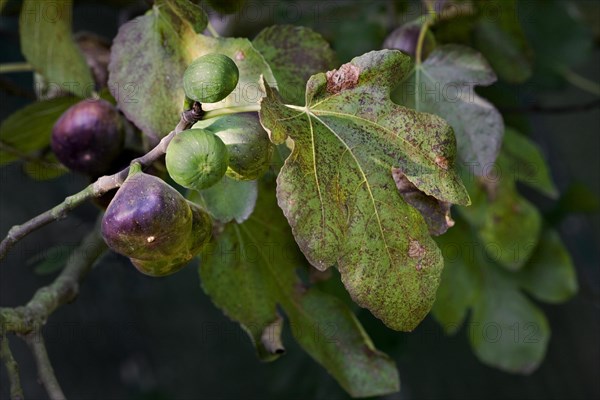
{"x":341,"y":79}
{"x":415,"y":250}
{"x":442,"y":162}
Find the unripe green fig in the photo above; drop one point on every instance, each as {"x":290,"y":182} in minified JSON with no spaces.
{"x":196,"y":159}
{"x":198,"y":237}
{"x":210,"y":78}
{"x":147,"y":219}
{"x":248,"y":144}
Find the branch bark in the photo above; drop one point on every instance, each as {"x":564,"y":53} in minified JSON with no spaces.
{"x":35,"y":341}
{"x":31,"y":317}
{"x":12,"y":368}
{"x":99,"y":187}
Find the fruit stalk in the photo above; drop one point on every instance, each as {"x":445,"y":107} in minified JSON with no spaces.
{"x":100,"y":186}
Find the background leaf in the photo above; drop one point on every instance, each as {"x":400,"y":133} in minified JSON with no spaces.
{"x":525,"y":163}
{"x":256,"y":261}
{"x":444,"y":84}
{"x":337,"y":191}
{"x":48,"y":45}
{"x":228,"y":199}
{"x":30,"y":128}
{"x":506,"y":330}
{"x":148,"y":58}
{"x":550,"y":275}
{"x":294,"y":53}
{"x":500,"y":38}
{"x":52,"y":260}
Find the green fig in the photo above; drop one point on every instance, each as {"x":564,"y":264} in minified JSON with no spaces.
{"x":197,"y":159}
{"x":248,"y":144}
{"x":210,"y":78}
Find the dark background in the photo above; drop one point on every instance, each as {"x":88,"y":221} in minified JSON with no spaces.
{"x":128,"y":336}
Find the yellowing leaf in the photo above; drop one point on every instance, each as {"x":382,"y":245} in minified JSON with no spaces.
{"x":337,"y":191}
{"x":250,"y":269}
{"x":48,"y":45}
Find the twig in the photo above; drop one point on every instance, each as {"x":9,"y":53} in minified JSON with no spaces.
{"x":581,"y":82}
{"x":100,"y":186}
{"x":15,"y":67}
{"x":31,"y":317}
{"x":539,"y":109}
{"x":45,"y":371}
{"x":12,"y":368}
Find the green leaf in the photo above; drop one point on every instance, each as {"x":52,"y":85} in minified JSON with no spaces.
{"x":256,"y":261}
{"x":52,"y":260}
{"x":30,"y":128}
{"x":502,"y":41}
{"x":458,"y":286}
{"x":44,"y":168}
{"x":337,"y":191}
{"x":148,"y":58}
{"x":328,"y":331}
{"x":188,"y":13}
{"x":294,"y":53}
{"x":227,"y":200}
{"x":550,"y":275}
{"x":507,"y":224}
{"x":526,"y":163}
{"x":506,"y":330}
{"x":557,"y":45}
{"x":48,"y":45}
{"x":444,"y":84}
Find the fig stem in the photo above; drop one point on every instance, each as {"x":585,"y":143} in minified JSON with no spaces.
{"x":212,"y":31}
{"x":100,"y":186}
{"x":15,"y":67}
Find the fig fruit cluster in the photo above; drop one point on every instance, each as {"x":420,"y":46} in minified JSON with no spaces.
{"x":154,"y":225}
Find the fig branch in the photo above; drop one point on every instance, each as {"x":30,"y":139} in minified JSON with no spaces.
{"x":12,"y":368}
{"x":27,"y":321}
{"x":100,"y":186}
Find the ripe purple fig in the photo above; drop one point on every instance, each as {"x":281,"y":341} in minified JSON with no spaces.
{"x":406,"y":38}
{"x":198,"y":237}
{"x":88,"y":137}
{"x":147,"y":220}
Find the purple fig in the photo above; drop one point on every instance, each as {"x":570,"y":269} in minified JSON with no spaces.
{"x":88,"y":137}
{"x":406,"y":38}
{"x":199,"y":236}
{"x":147,"y":220}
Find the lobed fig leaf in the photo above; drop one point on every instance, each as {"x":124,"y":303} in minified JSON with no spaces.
{"x":337,"y":191}
{"x":197,"y":159}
